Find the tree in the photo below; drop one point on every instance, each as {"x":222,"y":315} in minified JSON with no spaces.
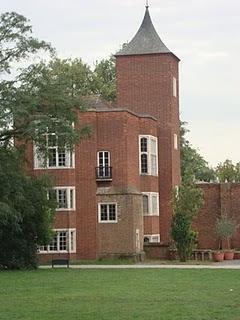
{"x":104,"y":79}
{"x":225,"y":228}
{"x":187,"y":201}
{"x":25,"y":213}
{"x":38,"y":99}
{"x":16,"y":42}
{"x":192,"y":163}
{"x":228,"y":172}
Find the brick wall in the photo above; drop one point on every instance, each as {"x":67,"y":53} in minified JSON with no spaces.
{"x":145,"y":86}
{"x":219,"y":199}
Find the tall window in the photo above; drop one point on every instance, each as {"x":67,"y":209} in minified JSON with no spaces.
{"x":63,"y":241}
{"x":103,"y":165}
{"x":174,"y":87}
{"x":65,"y":197}
{"x":57,"y":157}
{"x":107,"y":212}
{"x":175,"y":141}
{"x":151,"y":203}
{"x":148,"y":155}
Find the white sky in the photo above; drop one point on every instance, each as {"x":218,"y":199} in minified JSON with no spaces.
{"x":204,"y":34}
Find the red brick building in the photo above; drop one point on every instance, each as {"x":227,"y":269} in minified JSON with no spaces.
{"x":114,"y":191}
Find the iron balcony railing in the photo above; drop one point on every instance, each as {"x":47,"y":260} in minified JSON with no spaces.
{"x":103,"y":173}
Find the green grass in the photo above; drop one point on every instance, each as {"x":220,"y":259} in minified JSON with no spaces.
{"x":120,"y":294}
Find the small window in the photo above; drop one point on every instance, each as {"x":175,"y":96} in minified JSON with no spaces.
{"x":152,"y":238}
{"x":107,"y":212}
{"x":175,"y":141}
{"x":174,"y":87}
{"x":151,"y":203}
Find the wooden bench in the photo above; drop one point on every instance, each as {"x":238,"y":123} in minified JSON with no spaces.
{"x":60,"y":262}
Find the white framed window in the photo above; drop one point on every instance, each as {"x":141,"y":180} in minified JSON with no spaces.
{"x":65,"y":197}
{"x":150,"y":203}
{"x":107,"y":212}
{"x":148,"y":155}
{"x":175,"y":141}
{"x":64,"y":240}
{"x":57,"y":157}
{"x":174,"y":87}
{"x":151,"y":238}
{"x":104,"y":171}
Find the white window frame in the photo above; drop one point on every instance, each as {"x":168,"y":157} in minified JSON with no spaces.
{"x":70,"y":241}
{"x":175,"y":141}
{"x":174,"y":87}
{"x":150,"y":196}
{"x":109,"y":158}
{"x":99,"y":212}
{"x":40,"y":163}
{"x":68,"y":189}
{"x":149,"y":153}
{"x":151,"y":238}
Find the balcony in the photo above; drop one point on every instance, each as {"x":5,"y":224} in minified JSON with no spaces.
{"x":103,"y":173}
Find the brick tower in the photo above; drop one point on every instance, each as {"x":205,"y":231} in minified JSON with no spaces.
{"x":147,"y":84}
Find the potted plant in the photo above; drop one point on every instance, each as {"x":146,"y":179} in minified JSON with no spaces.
{"x":225,"y":228}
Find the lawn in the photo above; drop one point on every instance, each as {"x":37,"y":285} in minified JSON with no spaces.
{"x":149,"y":294}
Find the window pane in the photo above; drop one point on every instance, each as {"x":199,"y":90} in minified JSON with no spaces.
{"x":103,"y":212}
{"x":100,"y":159}
{"x":52,"y":161}
{"x":112,"y":212}
{"x":62,"y":240}
{"x":153,"y":164}
{"x":52,"y":140}
{"x":154,"y":204}
{"x":144,"y":163}
{"x":72,"y":241}
{"x":53,"y":245}
{"x":153,"y":146}
{"x":71,"y":198}
{"x":144,"y":147}
{"x":145,"y":204}
{"x":62,"y":198}
{"x":62,"y":157}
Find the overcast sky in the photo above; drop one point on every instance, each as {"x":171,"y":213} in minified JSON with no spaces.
{"x":204,"y":34}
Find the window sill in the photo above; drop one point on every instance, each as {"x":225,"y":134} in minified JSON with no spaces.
{"x":53,"y":168}
{"x":107,"y":222}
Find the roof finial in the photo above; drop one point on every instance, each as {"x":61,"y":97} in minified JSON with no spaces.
{"x":147,"y":4}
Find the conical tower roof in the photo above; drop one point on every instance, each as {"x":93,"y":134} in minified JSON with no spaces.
{"x":146,"y":41}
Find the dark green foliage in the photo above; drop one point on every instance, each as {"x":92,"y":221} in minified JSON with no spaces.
{"x":186,"y":204}
{"x":25,"y":213}
{"x":228,"y":172}
{"x":104,"y":79}
{"x":192,"y":163}
{"x":16,"y":42}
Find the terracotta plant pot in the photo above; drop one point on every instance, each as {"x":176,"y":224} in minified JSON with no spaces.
{"x":218,"y":256}
{"x":229,"y":255}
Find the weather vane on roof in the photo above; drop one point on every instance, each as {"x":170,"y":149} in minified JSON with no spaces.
{"x":147,"y":4}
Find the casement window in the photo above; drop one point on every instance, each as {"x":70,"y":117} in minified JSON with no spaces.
{"x":174,"y":87}
{"x":150,"y":203}
{"x":107,"y":212}
{"x":57,"y":157}
{"x":64,"y":240}
{"x":175,"y":141}
{"x":148,"y":156}
{"x":151,"y":238}
{"x":104,"y":170}
{"x":65,"y":197}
